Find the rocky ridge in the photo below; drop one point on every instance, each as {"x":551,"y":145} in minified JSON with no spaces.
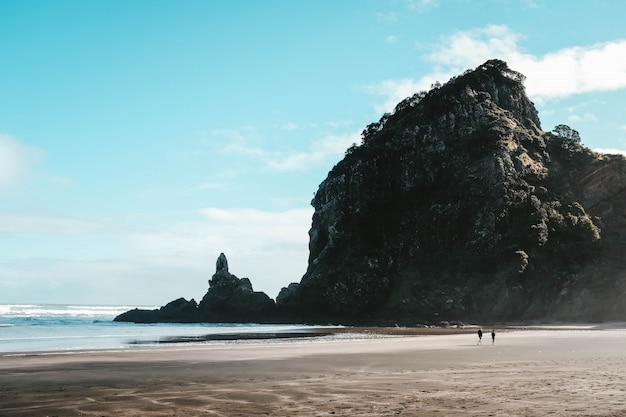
{"x":458,"y":206}
{"x":229,"y":300}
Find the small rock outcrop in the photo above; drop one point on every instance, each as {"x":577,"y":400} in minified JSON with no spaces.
{"x":232,"y":299}
{"x":177,"y":311}
{"x":229,"y":299}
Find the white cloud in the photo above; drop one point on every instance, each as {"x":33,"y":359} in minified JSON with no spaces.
{"x":17,"y":160}
{"x":310,"y":152}
{"x":421,"y":5}
{"x":590,"y":117}
{"x":240,"y":134}
{"x":221,"y":178}
{"x":114,"y":282}
{"x":329,"y":147}
{"x":588,"y":103}
{"x":391,"y":39}
{"x":531,"y":4}
{"x":339,"y":123}
{"x":290,"y":126}
{"x":394,"y":91}
{"x":558,"y":74}
{"x":568,"y":71}
{"x":599,"y":67}
{"x":611,"y":151}
{"x":388,"y":17}
{"x":152,"y":265}
{"x":243,"y":149}
{"x":468,"y":49}
{"x":266,"y":247}
{"x":37,"y":223}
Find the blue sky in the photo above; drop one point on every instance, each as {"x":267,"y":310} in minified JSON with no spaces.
{"x":141,"y":138}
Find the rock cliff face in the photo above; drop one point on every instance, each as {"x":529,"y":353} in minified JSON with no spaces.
{"x":459,"y":206}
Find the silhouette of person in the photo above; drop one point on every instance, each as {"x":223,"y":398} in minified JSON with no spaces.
{"x":480,"y":336}
{"x":493,"y":337}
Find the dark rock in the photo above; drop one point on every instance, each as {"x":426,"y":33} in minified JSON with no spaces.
{"x":232,"y":299}
{"x":229,"y":299}
{"x":458,"y":206}
{"x":221,"y":265}
{"x":176,"y":311}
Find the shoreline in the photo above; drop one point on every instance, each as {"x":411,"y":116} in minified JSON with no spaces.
{"x":320,"y":333}
{"x":536,"y":372}
{"x":315,"y":332}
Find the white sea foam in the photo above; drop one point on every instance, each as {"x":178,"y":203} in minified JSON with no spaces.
{"x":61,"y":310}
{"x":53,"y":327}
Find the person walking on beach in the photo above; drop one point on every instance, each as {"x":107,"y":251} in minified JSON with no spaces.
{"x":493,"y":337}
{"x":480,"y":336}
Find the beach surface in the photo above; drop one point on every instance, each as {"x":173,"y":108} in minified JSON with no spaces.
{"x":576,"y":371}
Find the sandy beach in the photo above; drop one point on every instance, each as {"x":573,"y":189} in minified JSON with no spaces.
{"x":531,"y":372}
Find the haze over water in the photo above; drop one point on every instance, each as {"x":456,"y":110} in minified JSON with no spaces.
{"x":59,"y":327}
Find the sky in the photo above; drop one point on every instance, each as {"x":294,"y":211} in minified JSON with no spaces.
{"x":139,"y":139}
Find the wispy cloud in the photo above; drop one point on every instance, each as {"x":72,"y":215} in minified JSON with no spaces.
{"x":588,"y":103}
{"x":394,"y":91}
{"x":328,"y":147}
{"x":241,"y":134}
{"x":611,"y":151}
{"x":339,"y":123}
{"x":219,"y":180}
{"x":558,"y":74}
{"x":318,"y":151}
{"x":262,"y":245}
{"x":17,"y":161}
{"x":421,"y":5}
{"x":45,"y":223}
{"x":589,"y":117}
{"x":387,"y":17}
{"x":532,"y":4}
{"x":244,"y":149}
{"x":155,"y":264}
{"x":290,"y":126}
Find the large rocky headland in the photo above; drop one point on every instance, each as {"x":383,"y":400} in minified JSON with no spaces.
{"x":456,"y":206}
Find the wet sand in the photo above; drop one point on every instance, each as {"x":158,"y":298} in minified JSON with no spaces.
{"x":532,"y":372}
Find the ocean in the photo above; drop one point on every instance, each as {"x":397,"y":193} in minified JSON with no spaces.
{"x":56,"y":327}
